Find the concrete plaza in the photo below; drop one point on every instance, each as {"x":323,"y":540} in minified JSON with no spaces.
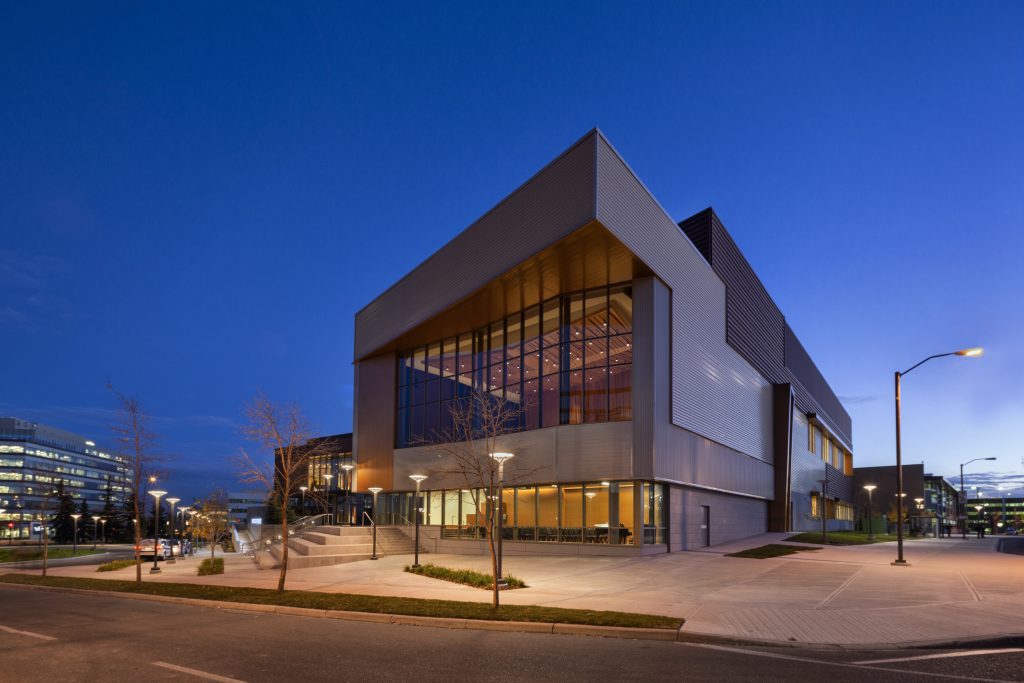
{"x":953,"y":590}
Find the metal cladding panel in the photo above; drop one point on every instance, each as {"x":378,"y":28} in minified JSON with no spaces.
{"x":554,"y":203}
{"x":374,"y":420}
{"x":731,"y":517}
{"x":816,"y":395}
{"x":715,"y":392}
{"x":757,"y":329}
{"x":693,"y":459}
{"x":645,"y":377}
{"x":570,"y":453}
{"x":809,"y":468}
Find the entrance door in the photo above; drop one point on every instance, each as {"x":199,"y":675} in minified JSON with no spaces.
{"x":705,"y":525}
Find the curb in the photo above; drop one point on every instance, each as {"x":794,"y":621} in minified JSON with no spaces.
{"x":663,"y":634}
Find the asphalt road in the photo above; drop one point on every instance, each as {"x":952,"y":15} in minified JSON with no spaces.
{"x":48,"y":636}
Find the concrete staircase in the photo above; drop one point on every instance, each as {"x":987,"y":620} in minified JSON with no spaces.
{"x":330,"y":545}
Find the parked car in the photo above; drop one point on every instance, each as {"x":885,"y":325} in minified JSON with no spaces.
{"x":1010,"y":531}
{"x":148,"y":547}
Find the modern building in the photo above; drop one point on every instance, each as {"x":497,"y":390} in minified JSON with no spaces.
{"x":244,"y":506}
{"x":999,"y":514}
{"x":329,"y":479}
{"x":930,"y":502}
{"x":657,"y":389}
{"x":35,"y":458}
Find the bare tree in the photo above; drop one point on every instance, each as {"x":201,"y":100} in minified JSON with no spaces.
{"x":478,"y":423}
{"x":137,"y":445}
{"x":285,"y":432}
{"x":213,"y":519}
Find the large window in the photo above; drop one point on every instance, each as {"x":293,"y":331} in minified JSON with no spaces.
{"x":568,"y":360}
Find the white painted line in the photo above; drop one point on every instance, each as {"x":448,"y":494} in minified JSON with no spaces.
{"x":30,"y":634}
{"x":197,"y":673}
{"x":847,"y":665}
{"x":834,"y":594}
{"x":967,"y":653}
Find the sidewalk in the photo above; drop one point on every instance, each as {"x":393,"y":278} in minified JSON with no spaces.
{"x":851,"y":596}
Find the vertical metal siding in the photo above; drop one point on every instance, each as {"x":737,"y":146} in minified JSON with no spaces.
{"x":816,"y":397}
{"x":715,"y":392}
{"x":644,"y":377}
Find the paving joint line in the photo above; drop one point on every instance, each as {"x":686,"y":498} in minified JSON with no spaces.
{"x":832,"y":596}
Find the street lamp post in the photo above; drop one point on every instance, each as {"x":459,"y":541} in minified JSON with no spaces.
{"x":174,"y":526}
{"x":374,"y":490}
{"x":418,"y":478}
{"x":103,"y":529}
{"x":348,"y":490}
{"x":327,"y":493}
{"x":962,"y":507}
{"x":918,"y":506}
{"x":871,"y":511}
{"x":968,"y":353}
{"x":181,"y":529}
{"x":501,"y":459}
{"x":155,"y":569}
{"x":95,"y":530}
{"x":303,"y":489}
{"x":74,"y":540}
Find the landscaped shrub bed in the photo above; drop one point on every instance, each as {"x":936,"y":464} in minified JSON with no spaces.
{"x":466,"y":576}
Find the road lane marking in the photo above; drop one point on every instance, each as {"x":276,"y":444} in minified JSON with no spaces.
{"x":848,"y":665}
{"x":968,"y":653}
{"x":197,"y":673}
{"x":30,"y":634}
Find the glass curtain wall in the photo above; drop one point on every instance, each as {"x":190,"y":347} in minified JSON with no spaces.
{"x":595,"y":512}
{"x":565,"y":361}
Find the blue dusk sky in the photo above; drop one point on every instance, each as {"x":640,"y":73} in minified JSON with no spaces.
{"x":196,"y":198}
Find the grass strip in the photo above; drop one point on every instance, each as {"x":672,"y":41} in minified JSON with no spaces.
{"x":114,"y":565}
{"x":465,"y":576}
{"x":357,"y":603}
{"x":770,"y":550}
{"x":211,"y":566}
{"x":26,"y":554}
{"x":841,"y":538}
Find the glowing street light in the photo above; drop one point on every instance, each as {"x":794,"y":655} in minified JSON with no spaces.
{"x":418,"y":478}
{"x":871,"y":511}
{"x":95,"y":530}
{"x":967,"y":353}
{"x":374,"y":490}
{"x":501,"y":459}
{"x":155,"y":569}
{"x":74,"y":541}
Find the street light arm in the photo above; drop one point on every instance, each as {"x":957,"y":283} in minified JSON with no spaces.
{"x":938,"y":355}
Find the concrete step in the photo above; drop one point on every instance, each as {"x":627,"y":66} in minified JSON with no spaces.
{"x":304,"y":547}
{"x":305,"y":561}
{"x":333,"y":540}
{"x":345,"y":531}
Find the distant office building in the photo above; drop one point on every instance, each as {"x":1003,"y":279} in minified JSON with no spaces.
{"x":329,"y":479}
{"x":930,"y":502}
{"x":243,"y":506}
{"x":996,"y":513}
{"x":663,"y":401}
{"x":35,"y":458}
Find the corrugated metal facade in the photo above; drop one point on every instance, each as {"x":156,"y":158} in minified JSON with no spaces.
{"x":715,"y":392}
{"x":756,"y":328}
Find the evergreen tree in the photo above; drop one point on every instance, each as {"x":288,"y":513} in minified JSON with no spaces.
{"x":63,"y":524}
{"x":126,"y":527}
{"x":85,"y":521}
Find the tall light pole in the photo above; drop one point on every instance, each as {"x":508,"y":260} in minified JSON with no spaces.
{"x":871,"y":511}
{"x":103,"y":529}
{"x":418,"y":478}
{"x":501,"y":459}
{"x":303,"y":489}
{"x":967,"y":353}
{"x":155,"y":569}
{"x":74,"y":540}
{"x":348,"y":488}
{"x":374,"y":490}
{"x":95,"y":530}
{"x":174,"y":526}
{"x":962,"y":506}
{"x":181,"y":529}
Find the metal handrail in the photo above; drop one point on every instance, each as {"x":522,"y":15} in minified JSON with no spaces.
{"x":367,"y":516}
{"x":308,"y":522}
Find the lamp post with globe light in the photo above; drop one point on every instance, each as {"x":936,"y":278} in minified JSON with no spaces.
{"x":871,"y":511}
{"x":347,"y":480}
{"x":155,"y":569}
{"x":95,"y":530}
{"x":174,"y":525}
{"x":965,"y":353}
{"x":418,"y":478}
{"x":501,"y":459}
{"x":374,"y":490}
{"x":74,"y":539}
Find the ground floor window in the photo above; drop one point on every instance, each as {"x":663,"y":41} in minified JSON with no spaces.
{"x":612,"y":512}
